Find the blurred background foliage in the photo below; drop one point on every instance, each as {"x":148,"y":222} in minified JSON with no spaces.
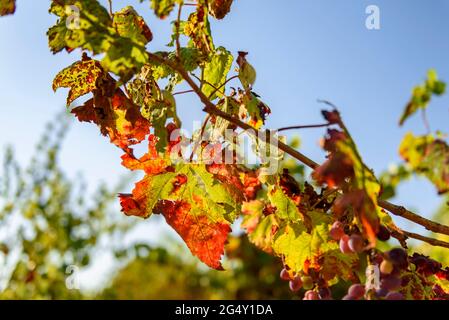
{"x":49,"y":222}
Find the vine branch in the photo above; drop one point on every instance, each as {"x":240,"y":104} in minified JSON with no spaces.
{"x":210,"y":108}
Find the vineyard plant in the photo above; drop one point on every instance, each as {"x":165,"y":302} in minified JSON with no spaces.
{"x":328,"y":228}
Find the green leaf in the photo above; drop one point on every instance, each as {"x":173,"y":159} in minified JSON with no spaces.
{"x":189,"y":59}
{"x":286,"y":209}
{"x":124,"y":58}
{"x":247,"y":73}
{"x":429,"y":157}
{"x":86,"y":24}
{"x":156,"y":105}
{"x":216,"y":71}
{"x":297,"y":246}
{"x":7,"y":7}
{"x":132,"y":26}
{"x":82,"y":24}
{"x":162,"y":8}
{"x":263,"y":234}
{"x":422,"y":95}
{"x":80,"y":77}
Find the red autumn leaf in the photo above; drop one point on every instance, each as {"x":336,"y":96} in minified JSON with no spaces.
{"x":115,"y":114}
{"x":339,"y":166}
{"x":205,"y":238}
{"x":135,"y":204}
{"x":150,"y":162}
{"x":334,"y":170}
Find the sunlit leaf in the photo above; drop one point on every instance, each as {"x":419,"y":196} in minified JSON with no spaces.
{"x":428,"y":156}
{"x":422,"y":95}
{"x":81,"y":77}
{"x":7,"y":7}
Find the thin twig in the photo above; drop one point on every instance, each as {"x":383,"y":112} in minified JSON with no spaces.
{"x":222,"y":85}
{"x":196,"y":144}
{"x":426,"y":121}
{"x":207,"y":82}
{"x":305,"y":127}
{"x":182,"y":92}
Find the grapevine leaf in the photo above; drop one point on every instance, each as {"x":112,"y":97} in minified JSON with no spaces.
{"x":299,"y":248}
{"x":197,"y":28}
{"x":162,"y":8}
{"x":261,"y":229}
{"x":115,"y":114}
{"x":216,"y":71}
{"x":197,"y":206}
{"x":156,"y":105}
{"x":204,"y":237}
{"x":252,"y":106}
{"x":80,"y":77}
{"x":247,"y":73}
{"x":422,"y":95}
{"x":220,"y":8}
{"x":82,"y":24}
{"x":427,"y":156}
{"x":189,"y":57}
{"x":86,"y":24}
{"x":286,"y":208}
{"x":7,"y":7}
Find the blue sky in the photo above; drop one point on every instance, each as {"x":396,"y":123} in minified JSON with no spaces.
{"x":303,"y":50}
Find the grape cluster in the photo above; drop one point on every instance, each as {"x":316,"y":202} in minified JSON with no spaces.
{"x":393,"y":263}
{"x":348,"y":244}
{"x":353,"y":243}
{"x":314,"y":288}
{"x":394,"y":270}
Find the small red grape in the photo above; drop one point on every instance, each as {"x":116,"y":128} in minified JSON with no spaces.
{"x":355,"y":243}
{"x":285,"y":275}
{"x":356,"y":290}
{"x":311,"y":295}
{"x":295,"y":284}
{"x":344,"y":247}
{"x":337,"y":230}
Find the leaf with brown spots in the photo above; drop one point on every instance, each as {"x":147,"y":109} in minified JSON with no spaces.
{"x":81,"y":77}
{"x":7,"y":7}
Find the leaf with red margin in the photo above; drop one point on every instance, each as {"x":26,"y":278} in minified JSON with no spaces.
{"x":146,"y":195}
{"x":208,"y":209}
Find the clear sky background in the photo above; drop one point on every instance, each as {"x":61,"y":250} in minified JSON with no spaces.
{"x":303,"y":50}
